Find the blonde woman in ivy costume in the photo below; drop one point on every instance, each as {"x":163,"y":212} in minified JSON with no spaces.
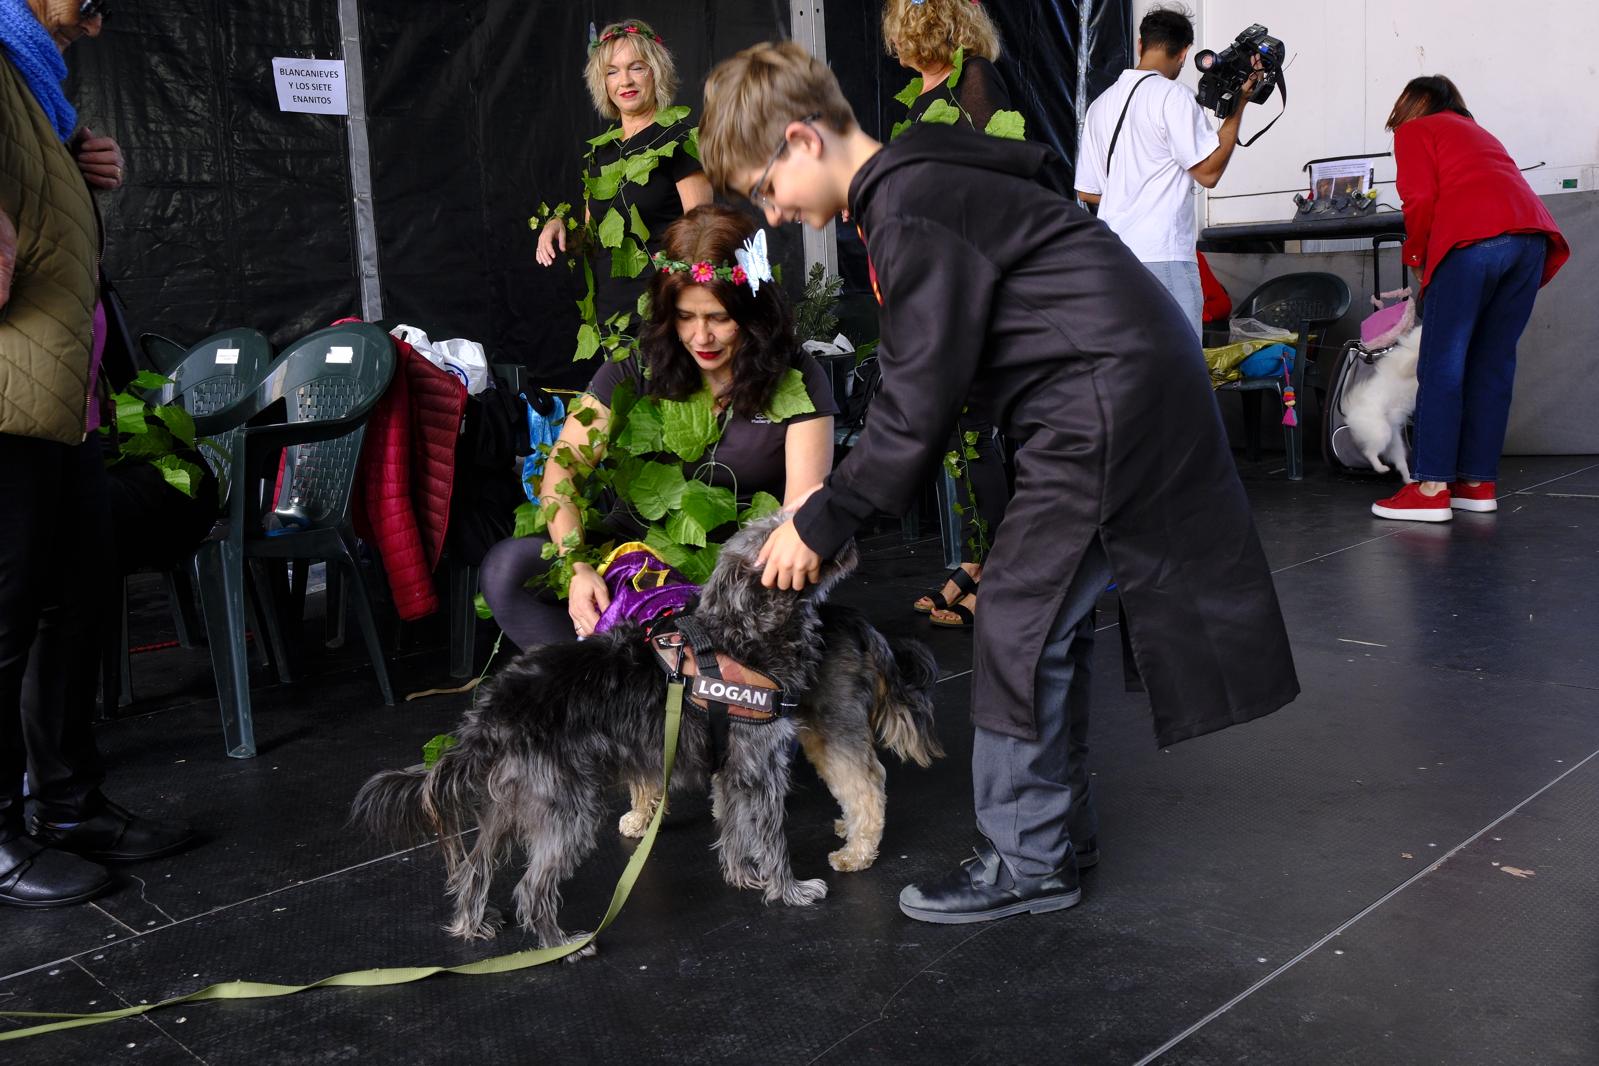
{"x":639,"y":175}
{"x":952,"y":46}
{"x":717,"y":356}
{"x":925,"y":35}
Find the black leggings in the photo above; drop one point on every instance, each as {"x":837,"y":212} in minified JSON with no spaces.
{"x":529,"y":618}
{"x":54,"y":573}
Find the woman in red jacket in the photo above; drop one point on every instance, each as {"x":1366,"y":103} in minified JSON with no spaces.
{"x":1482,"y":244}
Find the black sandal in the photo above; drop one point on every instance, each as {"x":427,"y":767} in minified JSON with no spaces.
{"x":964,"y":581}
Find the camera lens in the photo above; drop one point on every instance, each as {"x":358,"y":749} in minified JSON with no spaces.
{"x":1205,"y":59}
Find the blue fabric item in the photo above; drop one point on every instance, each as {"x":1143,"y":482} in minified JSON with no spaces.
{"x":1268,"y":362}
{"x":33,"y":52}
{"x":540,"y":430}
{"x":1478,"y":302}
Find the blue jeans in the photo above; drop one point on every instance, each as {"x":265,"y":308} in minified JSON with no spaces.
{"x":1476,"y":305}
{"x":1034,"y":797}
{"x":1181,"y":279}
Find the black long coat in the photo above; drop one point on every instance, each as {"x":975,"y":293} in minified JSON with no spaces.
{"x":992,"y":285}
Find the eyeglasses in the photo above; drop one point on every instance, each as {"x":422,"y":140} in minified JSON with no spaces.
{"x":757,"y":194}
{"x":94,"y":8}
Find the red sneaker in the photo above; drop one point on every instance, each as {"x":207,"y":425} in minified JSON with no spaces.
{"x":1480,"y":498}
{"x":1409,"y":505}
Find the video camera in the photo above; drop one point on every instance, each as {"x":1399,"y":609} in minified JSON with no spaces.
{"x":1225,"y":72}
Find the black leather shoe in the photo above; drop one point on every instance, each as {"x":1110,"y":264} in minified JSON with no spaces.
{"x":983,"y":889}
{"x":32,"y":875}
{"x":1087,"y":853}
{"x":116,"y":835}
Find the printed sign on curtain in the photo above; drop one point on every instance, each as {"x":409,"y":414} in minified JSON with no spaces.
{"x":315,"y":86}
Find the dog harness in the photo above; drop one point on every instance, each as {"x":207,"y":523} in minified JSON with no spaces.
{"x":719,"y":687}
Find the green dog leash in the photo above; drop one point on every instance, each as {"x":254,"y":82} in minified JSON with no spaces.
{"x":402,"y":975}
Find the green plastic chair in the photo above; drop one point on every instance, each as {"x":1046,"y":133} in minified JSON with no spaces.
{"x":1306,"y":304}
{"x":214,"y":381}
{"x":326,"y":385}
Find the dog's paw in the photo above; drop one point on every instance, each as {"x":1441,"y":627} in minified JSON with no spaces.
{"x":805,"y":893}
{"x":634,"y":823}
{"x":840,"y":830}
{"x":742,"y":875}
{"x":585,"y":952}
{"x":484,"y":928}
{"x":850,"y":860}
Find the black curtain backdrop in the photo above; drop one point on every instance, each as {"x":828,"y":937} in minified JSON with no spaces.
{"x":233,"y":213}
{"x":237,"y":214}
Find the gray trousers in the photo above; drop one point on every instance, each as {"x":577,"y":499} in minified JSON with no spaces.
{"x":1034,"y":797}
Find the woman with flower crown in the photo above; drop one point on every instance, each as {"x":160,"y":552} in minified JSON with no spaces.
{"x":645,"y":169}
{"x":719,"y":327}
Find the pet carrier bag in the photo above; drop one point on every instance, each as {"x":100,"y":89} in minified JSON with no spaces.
{"x":1357,"y":362}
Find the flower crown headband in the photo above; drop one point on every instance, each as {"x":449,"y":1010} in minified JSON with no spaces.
{"x":751,"y":266}
{"x":631,"y":29}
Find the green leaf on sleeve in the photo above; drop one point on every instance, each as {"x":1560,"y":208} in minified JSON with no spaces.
{"x":1007,"y":124}
{"x":791,"y":398}
{"x":908,"y":95}
{"x":942,"y":113}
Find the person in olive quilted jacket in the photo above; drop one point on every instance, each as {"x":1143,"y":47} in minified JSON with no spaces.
{"x":52,"y":478}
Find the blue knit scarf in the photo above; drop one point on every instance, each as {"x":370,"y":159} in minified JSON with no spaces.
{"x":33,"y":52}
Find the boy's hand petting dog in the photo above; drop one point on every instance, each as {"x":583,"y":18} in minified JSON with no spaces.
{"x":787,"y":562}
{"x":587,"y":599}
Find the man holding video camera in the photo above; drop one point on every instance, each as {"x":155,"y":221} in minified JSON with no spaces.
{"x":1146,"y":142}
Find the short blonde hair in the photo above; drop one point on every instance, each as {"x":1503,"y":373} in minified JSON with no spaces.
{"x":925,"y":35}
{"x":651,"y":50}
{"x":750,"y":100}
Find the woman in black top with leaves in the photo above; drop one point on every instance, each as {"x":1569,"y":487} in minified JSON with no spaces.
{"x":639,"y":176}
{"x":952,"y":45}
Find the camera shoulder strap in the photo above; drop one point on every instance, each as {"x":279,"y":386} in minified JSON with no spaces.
{"x":1114,"y":137}
{"x":1282,"y":87}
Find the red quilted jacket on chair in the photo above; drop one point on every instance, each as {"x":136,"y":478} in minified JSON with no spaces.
{"x":405,"y":477}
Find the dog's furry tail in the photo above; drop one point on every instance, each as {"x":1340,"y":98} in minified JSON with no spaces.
{"x":902,"y":717}
{"x":405,"y":806}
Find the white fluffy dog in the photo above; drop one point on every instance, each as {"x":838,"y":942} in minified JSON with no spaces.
{"x":1377,"y":408}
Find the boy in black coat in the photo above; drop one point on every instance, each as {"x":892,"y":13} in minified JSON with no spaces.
{"x":1000,"y":294}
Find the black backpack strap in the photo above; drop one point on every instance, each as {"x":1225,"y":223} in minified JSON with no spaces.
{"x":1114,"y":137}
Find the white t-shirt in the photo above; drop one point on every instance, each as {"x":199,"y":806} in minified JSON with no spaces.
{"x":1149,"y":199}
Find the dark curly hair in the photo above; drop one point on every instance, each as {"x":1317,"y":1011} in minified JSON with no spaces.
{"x":766,"y":345}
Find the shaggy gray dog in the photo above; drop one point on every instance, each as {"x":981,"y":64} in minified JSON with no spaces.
{"x":561,"y":724}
